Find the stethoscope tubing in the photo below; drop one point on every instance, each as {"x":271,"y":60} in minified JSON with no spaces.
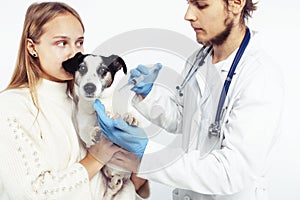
{"x":230,"y":74}
{"x":201,"y":55}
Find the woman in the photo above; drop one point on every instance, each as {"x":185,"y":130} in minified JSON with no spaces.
{"x":41,"y":155}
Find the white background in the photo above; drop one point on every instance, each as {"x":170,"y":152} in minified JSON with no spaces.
{"x":278,"y":22}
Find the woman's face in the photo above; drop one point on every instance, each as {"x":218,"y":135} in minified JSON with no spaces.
{"x":61,"y":40}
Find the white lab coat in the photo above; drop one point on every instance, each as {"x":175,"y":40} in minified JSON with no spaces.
{"x":237,"y":166}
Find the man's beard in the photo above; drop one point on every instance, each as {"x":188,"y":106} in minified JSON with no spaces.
{"x":221,"y":37}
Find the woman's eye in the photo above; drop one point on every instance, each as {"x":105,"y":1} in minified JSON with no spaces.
{"x":61,"y":43}
{"x":79,"y":43}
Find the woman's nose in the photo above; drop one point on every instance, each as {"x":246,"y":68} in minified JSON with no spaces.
{"x":73,"y":50}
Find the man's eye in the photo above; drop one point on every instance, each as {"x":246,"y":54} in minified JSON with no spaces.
{"x":201,"y":6}
{"x":82,"y":69}
{"x":198,"y":4}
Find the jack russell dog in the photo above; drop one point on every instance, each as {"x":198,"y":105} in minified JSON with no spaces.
{"x":94,"y":73}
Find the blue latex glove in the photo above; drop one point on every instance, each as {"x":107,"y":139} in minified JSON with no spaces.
{"x":146,"y":77}
{"x":131,"y":138}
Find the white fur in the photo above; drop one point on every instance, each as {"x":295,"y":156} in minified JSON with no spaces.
{"x":116,"y":181}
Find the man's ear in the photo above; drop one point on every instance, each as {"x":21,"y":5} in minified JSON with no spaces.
{"x":236,"y":6}
{"x":31,"y":47}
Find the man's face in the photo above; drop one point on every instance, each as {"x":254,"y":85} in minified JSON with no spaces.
{"x":210,"y":20}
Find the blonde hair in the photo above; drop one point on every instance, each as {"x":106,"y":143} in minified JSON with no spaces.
{"x":28,"y":71}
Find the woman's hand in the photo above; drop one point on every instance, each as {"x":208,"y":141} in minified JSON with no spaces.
{"x":141,"y":186}
{"x":98,"y":155}
{"x":126,"y":159}
{"x":130,"y":162}
{"x":103,"y":150}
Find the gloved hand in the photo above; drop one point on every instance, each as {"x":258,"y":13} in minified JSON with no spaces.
{"x":150,"y":74}
{"x":131,"y":138}
{"x":103,"y":150}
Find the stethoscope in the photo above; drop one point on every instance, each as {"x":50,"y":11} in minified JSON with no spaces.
{"x":200,"y":57}
{"x":215,"y":127}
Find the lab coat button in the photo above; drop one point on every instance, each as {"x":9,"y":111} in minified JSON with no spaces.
{"x":187,"y":197}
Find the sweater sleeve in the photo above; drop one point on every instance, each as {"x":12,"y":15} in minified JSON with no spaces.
{"x":25,"y":173}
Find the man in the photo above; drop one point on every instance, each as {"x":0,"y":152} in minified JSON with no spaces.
{"x":230,"y":129}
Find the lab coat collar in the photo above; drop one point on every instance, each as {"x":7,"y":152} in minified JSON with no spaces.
{"x":226,"y":64}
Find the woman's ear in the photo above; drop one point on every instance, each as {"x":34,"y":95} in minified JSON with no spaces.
{"x":31,"y":47}
{"x":236,"y":6}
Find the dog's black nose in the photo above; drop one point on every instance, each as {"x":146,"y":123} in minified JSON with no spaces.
{"x":89,"y":88}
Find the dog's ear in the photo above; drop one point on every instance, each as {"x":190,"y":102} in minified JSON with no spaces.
{"x":72,"y":65}
{"x":115,"y":63}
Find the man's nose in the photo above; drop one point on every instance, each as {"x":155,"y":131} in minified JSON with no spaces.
{"x":189,"y":14}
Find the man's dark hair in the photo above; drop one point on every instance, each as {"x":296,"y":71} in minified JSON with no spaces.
{"x":247,"y":10}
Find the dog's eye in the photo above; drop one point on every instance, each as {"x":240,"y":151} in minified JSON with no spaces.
{"x":82,"y":69}
{"x":102,"y":70}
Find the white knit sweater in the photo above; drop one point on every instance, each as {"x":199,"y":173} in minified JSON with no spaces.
{"x":39,"y":153}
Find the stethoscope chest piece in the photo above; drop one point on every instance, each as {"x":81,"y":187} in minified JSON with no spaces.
{"x":214,"y":130}
{"x":178,"y":88}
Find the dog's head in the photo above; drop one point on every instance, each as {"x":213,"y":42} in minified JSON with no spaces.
{"x":93,"y":73}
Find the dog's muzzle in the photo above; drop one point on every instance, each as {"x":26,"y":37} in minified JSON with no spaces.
{"x":89,"y":88}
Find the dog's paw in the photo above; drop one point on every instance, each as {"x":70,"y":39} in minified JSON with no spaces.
{"x":130,"y":119}
{"x":96,"y":134}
